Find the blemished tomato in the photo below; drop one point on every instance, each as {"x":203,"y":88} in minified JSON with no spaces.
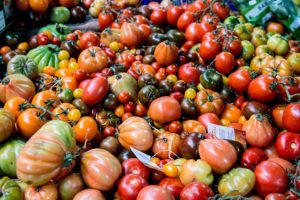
{"x":208,"y":118}
{"x":287,"y":145}
{"x":196,"y":191}
{"x":155,"y":192}
{"x":252,"y":157}
{"x":185,"y":20}
{"x":30,"y":121}
{"x":291,"y":117}
{"x":105,"y":19}
{"x":135,"y":166}
{"x":270,"y":178}
{"x":224,"y":62}
{"x":86,"y":129}
{"x":173,"y":14}
{"x":158,"y":16}
{"x":172,"y":184}
{"x":95,"y":90}
{"x":209,"y":49}
{"x":262,"y":89}
{"x":89,"y":39}
{"x":239,"y":80}
{"x":130,"y":185}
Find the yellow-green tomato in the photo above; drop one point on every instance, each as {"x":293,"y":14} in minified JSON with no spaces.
{"x":278,"y":44}
{"x":239,"y":181}
{"x":248,"y":50}
{"x":243,"y":32}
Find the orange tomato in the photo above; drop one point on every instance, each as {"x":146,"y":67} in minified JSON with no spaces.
{"x":30,"y":121}
{"x":126,"y":116}
{"x":191,"y":126}
{"x":13,"y":105}
{"x":47,"y":99}
{"x":49,"y":70}
{"x":86,"y":129}
{"x":69,"y":82}
{"x":232,"y":113}
{"x":39,"y":5}
{"x":170,"y":170}
{"x":4,"y":50}
{"x":224,"y":122}
{"x":24,"y":46}
{"x":61,"y":111}
{"x":275,"y":27}
{"x":119,"y":111}
{"x":242,"y":120}
{"x":63,"y":72}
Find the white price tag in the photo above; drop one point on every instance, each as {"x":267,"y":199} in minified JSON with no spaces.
{"x":145,"y":159}
{"x":221,"y":132}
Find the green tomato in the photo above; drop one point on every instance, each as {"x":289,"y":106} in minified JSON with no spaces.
{"x":10,"y":190}
{"x":278,"y":44}
{"x":60,"y":14}
{"x":21,"y":64}
{"x":258,"y":39}
{"x":231,"y":21}
{"x":239,"y":181}
{"x":9,"y":151}
{"x":66,"y":95}
{"x":211,"y":79}
{"x":248,"y":50}
{"x":242,"y":31}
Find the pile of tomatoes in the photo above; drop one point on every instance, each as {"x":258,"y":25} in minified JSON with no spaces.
{"x":210,"y":99}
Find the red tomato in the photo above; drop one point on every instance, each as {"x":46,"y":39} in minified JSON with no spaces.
{"x":158,"y":17}
{"x":261,"y":88}
{"x":171,"y":69}
{"x":221,"y":9}
{"x":89,"y":39}
{"x":239,"y":80}
{"x":196,"y":191}
{"x":188,"y":45}
{"x":233,"y":46}
{"x":224,"y":62}
{"x":155,"y":192}
{"x":205,"y":27}
{"x":134,"y":166}
{"x":84,"y":83}
{"x":189,"y":73}
{"x":80,"y":75}
{"x":95,"y":90}
{"x":177,"y":95}
{"x":252,"y":157}
{"x":193,"y":32}
{"x":275,"y":196}
{"x":173,"y":14}
{"x":172,"y":184}
{"x":209,"y":36}
{"x":105,"y":19}
{"x":185,"y":20}
{"x":270,"y":178}
{"x":130,"y":185}
{"x":140,"y":19}
{"x":208,"y":118}
{"x":290,"y":195}
{"x":287,"y":145}
{"x":209,"y":49}
{"x":291,"y":117}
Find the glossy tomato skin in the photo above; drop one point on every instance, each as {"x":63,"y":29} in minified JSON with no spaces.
{"x":95,"y":90}
{"x":155,"y":192}
{"x":130,"y":186}
{"x":209,"y":49}
{"x":252,"y":157}
{"x":261,"y":88}
{"x":184,"y":20}
{"x":189,"y":73}
{"x":173,"y":14}
{"x":134,"y":166}
{"x":270,"y":178}
{"x":158,"y":16}
{"x":105,"y":19}
{"x":291,"y":117}
{"x":196,"y":191}
{"x":224,"y":62}
{"x":208,"y":118}
{"x":172,"y":184}
{"x":89,"y":39}
{"x":287,"y":145}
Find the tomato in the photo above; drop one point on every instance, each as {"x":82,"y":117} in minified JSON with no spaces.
{"x":185,"y":20}
{"x":105,"y":19}
{"x":95,"y":91}
{"x":172,"y":184}
{"x":155,"y":192}
{"x":239,"y":80}
{"x":209,"y":50}
{"x":14,"y":106}
{"x":89,"y":39}
{"x":170,"y":170}
{"x":146,"y":29}
{"x":247,"y":49}
{"x":86,"y":129}
{"x":208,"y":118}
{"x":270,"y":178}
{"x":173,"y":14}
{"x":277,"y":114}
{"x":196,"y":191}
{"x":275,"y":27}
{"x":140,"y":19}
{"x":224,"y":62}
{"x":158,"y":16}
{"x":130,"y":185}
{"x":278,"y":44}
{"x":89,"y":194}
{"x":287,"y":145}
{"x":262,"y":88}
{"x":252,"y":157}
{"x":134,"y":166}
{"x":221,"y":9}
{"x":234,"y":46}
{"x":239,"y":181}
{"x":189,"y":73}
{"x":39,"y":5}
{"x":291,"y":117}
{"x":232,"y":113}
{"x":47,"y":99}
{"x":123,"y":97}
{"x":193,"y":32}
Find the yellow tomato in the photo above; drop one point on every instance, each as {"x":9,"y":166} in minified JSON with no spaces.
{"x":225,"y":122}
{"x":63,"y":55}
{"x":114,"y":46}
{"x":63,"y":64}
{"x":24,"y":46}
{"x":73,"y":66}
{"x":200,"y":87}
{"x":72,"y":60}
{"x":155,"y":160}
{"x":74,"y":115}
{"x":190,"y":93}
{"x":170,"y":170}
{"x":242,"y":120}
{"x":172,"y":77}
{"x":77,"y":93}
{"x":119,"y":111}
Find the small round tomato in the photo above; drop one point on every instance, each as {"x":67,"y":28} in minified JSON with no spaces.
{"x":189,"y":73}
{"x":291,"y":117}
{"x":14,"y":106}
{"x":123,"y":97}
{"x":109,"y":131}
{"x":239,"y":80}
{"x":252,"y":157}
{"x":134,"y":166}
{"x":209,"y":49}
{"x":287,"y":145}
{"x":221,"y":9}
{"x":185,"y":20}
{"x":275,"y":27}
{"x":130,"y":186}
{"x":158,"y":16}
{"x":86,"y":129}
{"x":105,"y":19}
{"x":74,"y":115}
{"x":196,"y":191}
{"x":190,"y":93}
{"x":63,"y":55}
{"x":30,"y":121}
{"x":262,"y":88}
{"x":208,"y":118}
{"x":89,"y":39}
{"x":234,"y":46}
{"x":175,"y":127}
{"x":39,"y":5}
{"x":172,"y":184}
{"x":4,"y":50}
{"x":173,"y":14}
{"x":170,"y":170}
{"x":224,"y":62}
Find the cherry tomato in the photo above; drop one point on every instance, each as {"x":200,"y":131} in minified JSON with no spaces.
{"x":109,"y":131}
{"x":291,"y":117}
{"x":123,"y":97}
{"x":221,"y":9}
{"x":158,"y":17}
{"x":173,"y":14}
{"x":209,"y":50}
{"x":89,"y":39}
{"x":185,"y":20}
{"x":239,"y":80}
{"x":224,"y":62}
{"x":170,"y":170}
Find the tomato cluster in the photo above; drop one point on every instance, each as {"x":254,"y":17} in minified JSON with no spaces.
{"x":211,"y":99}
